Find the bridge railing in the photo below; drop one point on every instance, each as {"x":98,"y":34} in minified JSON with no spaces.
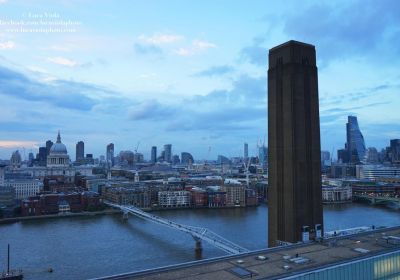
{"x":198,"y":233}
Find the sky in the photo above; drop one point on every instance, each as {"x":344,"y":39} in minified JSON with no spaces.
{"x":189,"y":73}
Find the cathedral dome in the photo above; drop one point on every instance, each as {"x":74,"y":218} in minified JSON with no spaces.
{"x":16,"y":158}
{"x":58,"y":147}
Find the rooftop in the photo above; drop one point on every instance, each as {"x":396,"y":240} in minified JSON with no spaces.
{"x":292,"y":42}
{"x":275,"y":263}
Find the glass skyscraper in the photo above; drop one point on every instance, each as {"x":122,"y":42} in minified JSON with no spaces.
{"x":355,"y":141}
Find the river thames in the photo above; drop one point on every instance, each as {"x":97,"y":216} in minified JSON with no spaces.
{"x":89,"y":247}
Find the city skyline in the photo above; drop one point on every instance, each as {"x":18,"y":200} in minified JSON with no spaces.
{"x":122,"y":77}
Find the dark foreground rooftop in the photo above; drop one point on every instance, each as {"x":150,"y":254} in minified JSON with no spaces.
{"x":276,"y":263}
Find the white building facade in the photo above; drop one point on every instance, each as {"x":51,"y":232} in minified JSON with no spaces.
{"x":172,"y":199}
{"x":24,"y":188}
{"x":336,"y":194}
{"x":373,"y":172}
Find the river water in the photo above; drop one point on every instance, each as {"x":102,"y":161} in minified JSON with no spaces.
{"x":88,"y":247}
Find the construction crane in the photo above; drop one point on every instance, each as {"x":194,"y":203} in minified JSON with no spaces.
{"x":246,"y":168}
{"x":137,"y":147}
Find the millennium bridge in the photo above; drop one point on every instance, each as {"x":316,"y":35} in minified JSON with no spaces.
{"x":198,"y":233}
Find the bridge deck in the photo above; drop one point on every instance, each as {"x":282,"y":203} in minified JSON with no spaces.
{"x":198,"y":233}
{"x":380,"y":197}
{"x":315,"y":255}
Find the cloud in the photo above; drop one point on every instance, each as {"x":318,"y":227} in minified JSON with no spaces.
{"x":63,"y":61}
{"x":147,"y":49}
{"x":255,"y":54}
{"x":7,"y":144}
{"x":160,"y":39}
{"x":341,"y":31}
{"x":246,"y":91}
{"x":215,"y":71}
{"x":150,"y":110}
{"x":184,"y":52}
{"x":58,"y":48}
{"x":8,"y":45}
{"x":152,"y":44}
{"x":157,"y":43}
{"x":362,"y":94}
{"x":232,"y":110}
{"x":232,"y":119}
{"x":37,"y":69}
{"x":196,"y":47}
{"x":203,"y":45}
{"x":59,"y":93}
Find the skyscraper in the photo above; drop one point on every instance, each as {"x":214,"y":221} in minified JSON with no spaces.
{"x":175,"y":160}
{"x":2,"y":168}
{"x":325,"y":158}
{"x":186,"y":158}
{"x":372,"y":155}
{"x":167,"y":152}
{"x":294,"y":159}
{"x":49,"y":143}
{"x":246,"y":151}
{"x":355,"y":141}
{"x":262,"y":155}
{"x":110,"y":154}
{"x":80,"y":151}
{"x":395,"y":150}
{"x":153,"y":154}
{"x":42,"y":156}
{"x":342,"y":156}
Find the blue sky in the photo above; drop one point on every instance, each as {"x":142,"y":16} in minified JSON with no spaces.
{"x":189,"y":73}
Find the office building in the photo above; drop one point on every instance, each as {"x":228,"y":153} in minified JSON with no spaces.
{"x":235,"y":193}
{"x":110,"y":154}
{"x":138,"y":158}
{"x":7,"y":198}
{"x":343,"y":170}
{"x":176,"y":160}
{"x":246,"y":151}
{"x":325,"y":158}
{"x":223,"y":160}
{"x":2,"y":174}
{"x":376,"y":171}
{"x":395,"y":150}
{"x":24,"y":188}
{"x":294,"y":158}
{"x":41,"y":157}
{"x":49,"y":143}
{"x":80,"y":151}
{"x":372,"y":155}
{"x":154,"y":154}
{"x":356,"y":150}
{"x":168,"y":152}
{"x":186,"y":158}
{"x":174,"y":199}
{"x":89,"y":159}
{"x":342,"y":156}
{"x":263,"y":155}
{"x":30,"y":157}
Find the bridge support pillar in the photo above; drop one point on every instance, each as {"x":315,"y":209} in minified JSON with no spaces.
{"x":125,"y":216}
{"x":198,"y":249}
